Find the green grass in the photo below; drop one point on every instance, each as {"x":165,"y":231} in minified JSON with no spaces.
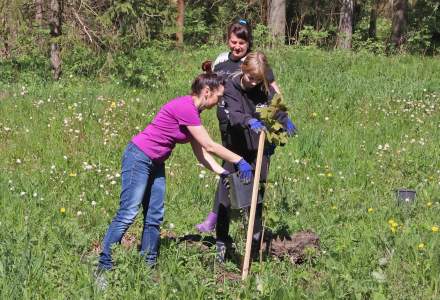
{"x":368,"y":125}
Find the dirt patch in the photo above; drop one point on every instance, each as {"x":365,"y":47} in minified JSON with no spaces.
{"x":227,"y":276}
{"x":296,"y":247}
{"x":204,"y":243}
{"x":128,"y":241}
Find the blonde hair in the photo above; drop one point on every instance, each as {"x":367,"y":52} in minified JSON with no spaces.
{"x":256,"y":65}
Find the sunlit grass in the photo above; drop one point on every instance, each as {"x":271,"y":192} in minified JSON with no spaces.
{"x":367,"y":126}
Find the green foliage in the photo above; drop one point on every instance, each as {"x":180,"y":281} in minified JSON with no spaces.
{"x":275,"y":132}
{"x":361,"y":40}
{"x":138,"y":22}
{"x":261,"y":36}
{"x":143,"y":67}
{"x":424,"y":27}
{"x":311,"y":37}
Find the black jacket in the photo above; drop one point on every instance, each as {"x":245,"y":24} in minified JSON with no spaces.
{"x":240,"y":107}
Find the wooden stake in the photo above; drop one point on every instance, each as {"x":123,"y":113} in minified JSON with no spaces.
{"x":250,"y":230}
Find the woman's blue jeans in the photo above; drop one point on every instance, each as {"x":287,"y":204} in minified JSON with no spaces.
{"x":143,"y":182}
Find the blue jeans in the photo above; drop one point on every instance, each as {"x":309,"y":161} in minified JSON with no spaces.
{"x":143,"y":182}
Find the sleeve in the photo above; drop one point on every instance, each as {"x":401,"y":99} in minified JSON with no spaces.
{"x":270,"y":76}
{"x":186,"y":114}
{"x":233,"y":104}
{"x":220,"y":59}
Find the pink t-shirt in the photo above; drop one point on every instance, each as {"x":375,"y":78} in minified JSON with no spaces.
{"x":168,"y":127}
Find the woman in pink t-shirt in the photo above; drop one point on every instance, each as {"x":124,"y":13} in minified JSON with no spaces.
{"x":143,"y":171}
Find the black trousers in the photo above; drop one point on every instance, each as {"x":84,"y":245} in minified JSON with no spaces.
{"x":222,"y":206}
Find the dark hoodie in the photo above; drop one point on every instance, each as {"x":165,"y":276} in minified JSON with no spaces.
{"x":240,"y":107}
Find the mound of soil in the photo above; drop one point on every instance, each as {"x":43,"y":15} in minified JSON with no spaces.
{"x":295,"y":247}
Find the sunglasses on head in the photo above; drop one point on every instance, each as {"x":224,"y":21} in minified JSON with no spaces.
{"x":242,"y":22}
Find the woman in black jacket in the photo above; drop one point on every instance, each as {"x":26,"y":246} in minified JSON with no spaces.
{"x":243,"y":93}
{"x":228,"y":64}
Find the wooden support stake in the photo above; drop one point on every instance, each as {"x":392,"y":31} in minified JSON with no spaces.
{"x":250,"y":230}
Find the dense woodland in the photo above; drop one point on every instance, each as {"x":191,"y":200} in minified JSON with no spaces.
{"x":127,"y":39}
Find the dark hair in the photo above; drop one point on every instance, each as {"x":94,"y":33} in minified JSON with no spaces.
{"x":242,"y":29}
{"x":211,"y":80}
{"x":207,"y":66}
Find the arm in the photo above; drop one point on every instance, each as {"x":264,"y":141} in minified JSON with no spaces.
{"x":205,"y":158}
{"x":201,"y":136}
{"x":275,"y":86}
{"x":233,"y":100}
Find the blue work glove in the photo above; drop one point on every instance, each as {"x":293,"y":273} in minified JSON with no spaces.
{"x":244,"y":171}
{"x":290,"y":127}
{"x":256,"y":125}
{"x":269,"y":149}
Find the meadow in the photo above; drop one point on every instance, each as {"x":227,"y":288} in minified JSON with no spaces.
{"x":367,"y":126}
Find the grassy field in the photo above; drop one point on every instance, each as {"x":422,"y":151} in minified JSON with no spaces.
{"x":367,"y":125}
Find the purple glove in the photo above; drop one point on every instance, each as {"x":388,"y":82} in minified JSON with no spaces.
{"x":256,"y":125}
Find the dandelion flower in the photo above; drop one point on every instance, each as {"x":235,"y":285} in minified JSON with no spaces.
{"x":79,"y":213}
{"x":62,"y":210}
{"x":72,"y":174}
{"x":434,"y":228}
{"x":113,"y":104}
{"x":421,"y":246}
{"x":429,"y":204}
{"x":370,"y":210}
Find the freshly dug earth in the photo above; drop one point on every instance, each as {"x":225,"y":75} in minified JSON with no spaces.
{"x":295,"y":247}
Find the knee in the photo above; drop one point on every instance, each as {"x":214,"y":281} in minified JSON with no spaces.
{"x":125,"y":216}
{"x":155,"y":216}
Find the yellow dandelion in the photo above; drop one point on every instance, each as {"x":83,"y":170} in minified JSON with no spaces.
{"x":429,"y":204}
{"x":421,"y":246}
{"x":370,"y":210}
{"x":391,"y":221}
{"x":393,"y":229}
{"x":434,"y":228}
{"x":329,"y":174}
{"x":72,"y":174}
{"x":334,"y":207}
{"x":313,"y":114}
{"x":62,"y":210}
{"x":113,"y":104}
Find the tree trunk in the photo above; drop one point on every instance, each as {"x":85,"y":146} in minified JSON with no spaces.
{"x":39,"y":12}
{"x":56,"y":8}
{"x":399,"y":22}
{"x":373,"y":20}
{"x":345,"y":25}
{"x":277,"y":20}
{"x":180,"y":22}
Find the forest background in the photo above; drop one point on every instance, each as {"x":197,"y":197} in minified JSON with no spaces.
{"x":127,"y":40}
